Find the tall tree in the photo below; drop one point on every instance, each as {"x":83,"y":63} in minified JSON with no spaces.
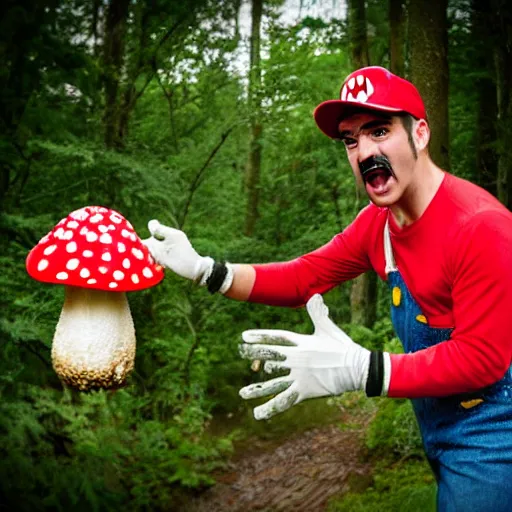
{"x":396,"y":37}
{"x":363,"y":294}
{"x":503,"y":65}
{"x":428,"y":67}
{"x":113,"y":58}
{"x":254,"y":162}
{"x":482,"y":30}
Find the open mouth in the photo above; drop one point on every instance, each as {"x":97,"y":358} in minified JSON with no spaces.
{"x":377,"y":177}
{"x":376,"y":172}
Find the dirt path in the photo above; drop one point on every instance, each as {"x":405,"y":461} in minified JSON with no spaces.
{"x":300,"y":474}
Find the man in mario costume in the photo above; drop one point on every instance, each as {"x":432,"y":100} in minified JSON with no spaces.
{"x":444,"y":246}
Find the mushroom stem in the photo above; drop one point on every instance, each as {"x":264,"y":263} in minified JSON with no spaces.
{"x":94,"y":342}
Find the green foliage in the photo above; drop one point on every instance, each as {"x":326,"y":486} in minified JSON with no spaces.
{"x":402,"y":488}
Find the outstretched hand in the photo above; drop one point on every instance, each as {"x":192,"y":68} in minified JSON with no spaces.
{"x":325,"y":363}
{"x":172,"y":249}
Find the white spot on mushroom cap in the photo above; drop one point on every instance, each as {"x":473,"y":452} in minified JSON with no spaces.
{"x":84,"y":230}
{"x":112,"y":285}
{"x":68,"y":235}
{"x":137,"y":253}
{"x":91,"y":236}
{"x":49,"y":250}
{"x":72,"y":224}
{"x":71,"y":247}
{"x":102,"y":228}
{"x":146,"y":272}
{"x":106,"y":256}
{"x":85,"y":273}
{"x":96,"y":218}
{"x":125,"y":233}
{"x":81,"y":214}
{"x":59,"y":233}
{"x":116,"y":218}
{"x":118,"y":275}
{"x":126,"y":263}
{"x":105,"y":238}
{"x":87,"y":254}
{"x":135,"y":278}
{"x":103,"y":270}
{"x":72,"y":264}
{"x":92,"y":281}
{"x":42,"y":265}
{"x":62,"y":276}
{"x":121,"y":247}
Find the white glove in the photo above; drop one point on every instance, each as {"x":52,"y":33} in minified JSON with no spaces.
{"x":325,"y":363}
{"x":174,"y":251}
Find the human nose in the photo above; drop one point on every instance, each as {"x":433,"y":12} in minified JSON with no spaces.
{"x":367,"y":147}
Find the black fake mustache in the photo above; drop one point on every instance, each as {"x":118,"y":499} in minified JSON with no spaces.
{"x":375,"y":162}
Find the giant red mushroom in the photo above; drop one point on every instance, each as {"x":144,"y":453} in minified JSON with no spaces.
{"x":97,"y":255}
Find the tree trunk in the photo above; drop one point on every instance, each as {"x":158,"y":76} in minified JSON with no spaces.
{"x":254,"y":163}
{"x":363,"y":294}
{"x":113,"y":57}
{"x":503,"y":65}
{"x":396,"y":37}
{"x":486,"y":135}
{"x":428,"y":42}
{"x":358,"y":33}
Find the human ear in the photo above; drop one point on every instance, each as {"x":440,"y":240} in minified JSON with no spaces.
{"x":421,"y":134}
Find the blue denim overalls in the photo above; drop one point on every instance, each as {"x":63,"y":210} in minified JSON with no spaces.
{"x":467,"y":438}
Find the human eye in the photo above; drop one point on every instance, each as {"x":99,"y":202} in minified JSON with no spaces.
{"x":380,"y":132}
{"x":349,"y":142}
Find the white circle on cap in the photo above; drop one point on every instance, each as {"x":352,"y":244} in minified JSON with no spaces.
{"x":72,"y":264}
{"x":42,"y":265}
{"x":49,"y":250}
{"x":118,"y":275}
{"x":71,"y":247}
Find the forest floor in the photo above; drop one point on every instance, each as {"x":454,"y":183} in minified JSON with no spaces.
{"x":296,"y":473}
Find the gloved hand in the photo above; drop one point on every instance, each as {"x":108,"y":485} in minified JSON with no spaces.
{"x":172,"y":249}
{"x":325,"y":363}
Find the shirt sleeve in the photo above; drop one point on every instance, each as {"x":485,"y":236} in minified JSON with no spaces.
{"x":479,"y":351}
{"x":293,"y":282}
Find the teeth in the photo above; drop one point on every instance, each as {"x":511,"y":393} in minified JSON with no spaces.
{"x":344,"y":93}
{"x":362,"y":97}
{"x":351,"y":83}
{"x":360,"y":79}
{"x":350,"y":97}
{"x":369,"y":87}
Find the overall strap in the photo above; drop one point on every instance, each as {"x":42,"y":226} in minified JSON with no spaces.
{"x":388,"y":251}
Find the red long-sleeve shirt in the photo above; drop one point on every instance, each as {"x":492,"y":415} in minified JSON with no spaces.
{"x":456,"y":260}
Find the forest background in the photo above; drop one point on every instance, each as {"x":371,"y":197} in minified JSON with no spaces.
{"x":168,"y":110}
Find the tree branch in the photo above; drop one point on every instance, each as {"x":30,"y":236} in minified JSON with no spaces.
{"x":199,"y":175}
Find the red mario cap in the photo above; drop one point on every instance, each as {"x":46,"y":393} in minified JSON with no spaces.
{"x":373,"y":88}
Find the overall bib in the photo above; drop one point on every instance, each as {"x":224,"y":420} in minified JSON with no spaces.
{"x":467,"y":438}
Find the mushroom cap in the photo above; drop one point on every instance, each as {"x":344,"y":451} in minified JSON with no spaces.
{"x":94,"y":247}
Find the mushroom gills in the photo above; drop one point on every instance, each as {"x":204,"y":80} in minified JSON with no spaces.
{"x":94,"y":342}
